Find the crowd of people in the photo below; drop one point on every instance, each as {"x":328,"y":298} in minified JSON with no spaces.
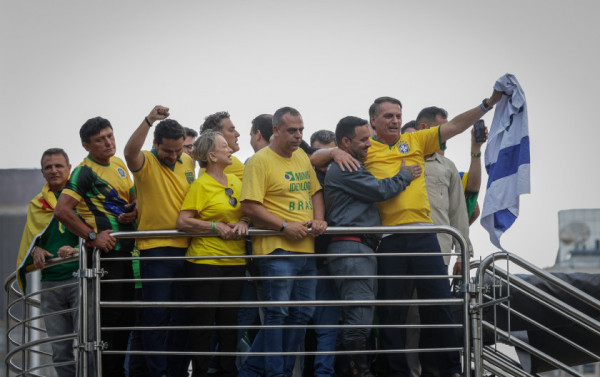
{"x":367,"y":173}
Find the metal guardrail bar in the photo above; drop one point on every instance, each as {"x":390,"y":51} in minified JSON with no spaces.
{"x":252,"y":304}
{"x":502,"y":363}
{"x":84,"y":343}
{"x":551,"y":332}
{"x":555,"y":304}
{"x":487,"y":267}
{"x":532,"y":350}
{"x":534,"y":270}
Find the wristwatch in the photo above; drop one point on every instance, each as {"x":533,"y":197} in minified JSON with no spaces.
{"x":91,"y":237}
{"x":283,"y":226}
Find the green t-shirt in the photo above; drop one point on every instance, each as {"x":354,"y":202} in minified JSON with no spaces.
{"x":55,"y":237}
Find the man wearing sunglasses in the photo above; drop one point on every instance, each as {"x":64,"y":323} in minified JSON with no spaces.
{"x":162,"y":178}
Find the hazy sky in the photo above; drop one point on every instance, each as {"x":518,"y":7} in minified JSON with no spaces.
{"x":63,"y":62}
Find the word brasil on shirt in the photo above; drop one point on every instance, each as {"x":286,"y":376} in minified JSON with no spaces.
{"x":299,"y":182}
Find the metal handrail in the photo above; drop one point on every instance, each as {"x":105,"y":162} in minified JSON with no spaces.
{"x":487,"y":267}
{"x":85,"y":343}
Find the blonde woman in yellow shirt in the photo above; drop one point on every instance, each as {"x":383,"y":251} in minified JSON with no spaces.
{"x":212,"y":206}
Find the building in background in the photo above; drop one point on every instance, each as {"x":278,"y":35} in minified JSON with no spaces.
{"x":578,"y":251}
{"x":17,"y":188}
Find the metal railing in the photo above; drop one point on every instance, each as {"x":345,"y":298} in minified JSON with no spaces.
{"x":90,"y":347}
{"x":496,"y":288}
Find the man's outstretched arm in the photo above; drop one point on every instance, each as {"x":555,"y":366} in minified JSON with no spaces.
{"x":461,"y":122}
{"x":133,"y":149}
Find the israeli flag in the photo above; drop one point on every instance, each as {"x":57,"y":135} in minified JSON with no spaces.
{"x":506,"y":160}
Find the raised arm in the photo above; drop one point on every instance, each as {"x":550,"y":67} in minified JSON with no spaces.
{"x":323,"y":157}
{"x":364,"y":186}
{"x":474,"y":176}
{"x":461,"y":122}
{"x":133,"y":149}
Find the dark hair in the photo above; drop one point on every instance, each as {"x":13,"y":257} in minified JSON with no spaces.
{"x":93,"y":127}
{"x":51,"y":151}
{"x":322,"y":136}
{"x":374,"y":108}
{"x":190,"y":132}
{"x":428,"y":115}
{"x":411,"y":124}
{"x":278,"y":116}
{"x":307,"y":148}
{"x":214,"y":121}
{"x":168,"y":129}
{"x":264,"y":124}
{"x":203,"y":146}
{"x":346,"y":127}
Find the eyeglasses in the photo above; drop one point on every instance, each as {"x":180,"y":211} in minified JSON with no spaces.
{"x":232,"y":200}
{"x":188,"y":146}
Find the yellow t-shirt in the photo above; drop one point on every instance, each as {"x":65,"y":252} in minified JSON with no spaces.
{"x":207,"y":197}
{"x":384,"y":161}
{"x":160,"y":192}
{"x":236,"y":168}
{"x":285,"y":187}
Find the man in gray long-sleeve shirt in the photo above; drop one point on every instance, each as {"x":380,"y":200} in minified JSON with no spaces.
{"x":350,"y":198}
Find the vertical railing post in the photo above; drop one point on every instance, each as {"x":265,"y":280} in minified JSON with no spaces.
{"x":476,"y":329}
{"x":99,"y":345}
{"x":24,"y":332}
{"x":466,"y":296}
{"x":90,"y":344}
{"x":83,"y":341}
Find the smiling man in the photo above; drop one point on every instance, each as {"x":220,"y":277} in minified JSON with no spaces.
{"x":350,"y":198}
{"x":44,"y":238}
{"x":389,"y":149}
{"x":101,"y":191}
{"x":162,"y":178}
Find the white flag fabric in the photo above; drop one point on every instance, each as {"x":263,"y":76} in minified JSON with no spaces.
{"x":506,"y":160}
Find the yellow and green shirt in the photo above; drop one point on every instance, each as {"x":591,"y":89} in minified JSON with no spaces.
{"x":470,"y":197}
{"x":160,"y":191}
{"x":384,"y":161}
{"x":102,"y":191}
{"x":284,"y":186}
{"x":208,"y":199}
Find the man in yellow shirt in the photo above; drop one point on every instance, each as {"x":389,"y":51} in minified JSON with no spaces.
{"x":281,"y":192}
{"x":162,"y":178}
{"x":389,"y":148}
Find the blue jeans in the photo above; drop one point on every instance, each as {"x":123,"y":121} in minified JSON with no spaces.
{"x":324,"y":365}
{"x":174,"y":290}
{"x":396,"y":289}
{"x":61,"y":298}
{"x":278,"y":339}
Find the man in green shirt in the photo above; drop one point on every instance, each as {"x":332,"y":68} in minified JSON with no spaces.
{"x":58,"y":283}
